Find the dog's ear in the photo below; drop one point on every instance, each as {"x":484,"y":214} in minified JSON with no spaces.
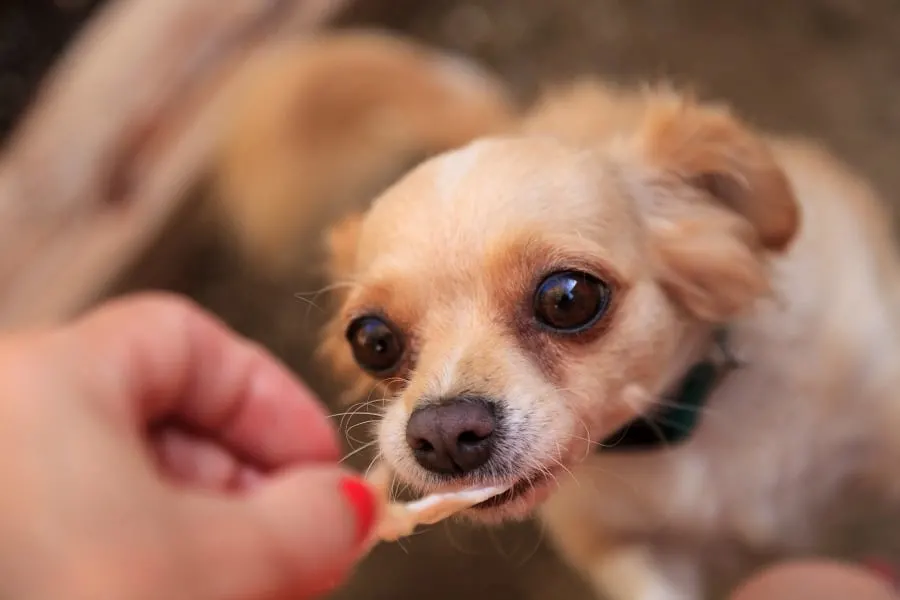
{"x":716,"y":203}
{"x":711,"y":150}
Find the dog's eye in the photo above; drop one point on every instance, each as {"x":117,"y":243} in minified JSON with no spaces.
{"x":570,"y":301}
{"x":377,"y":347}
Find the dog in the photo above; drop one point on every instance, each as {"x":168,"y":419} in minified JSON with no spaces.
{"x":674,"y":335}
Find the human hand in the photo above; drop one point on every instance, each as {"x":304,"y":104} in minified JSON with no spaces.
{"x":146,"y":452}
{"x":819,"y":580}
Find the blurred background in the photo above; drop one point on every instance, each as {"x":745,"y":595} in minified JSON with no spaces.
{"x":827,"y":68}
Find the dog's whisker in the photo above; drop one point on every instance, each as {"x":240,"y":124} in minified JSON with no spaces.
{"x":357,"y":410}
{"x":372,"y":463}
{"x":358,"y":450}
{"x":582,"y":421}
{"x":363,"y":405}
{"x":332,"y":287}
{"x":667,"y":423}
{"x":404,"y":487}
{"x":567,"y":470}
{"x":654,"y":426}
{"x":348,"y":434}
{"x":668,"y":402}
{"x":550,"y":476}
{"x":354,"y":414}
{"x":402,"y":546}
{"x":377,"y":419}
{"x":350,"y":412}
{"x":393,"y":488}
{"x":310,"y":304}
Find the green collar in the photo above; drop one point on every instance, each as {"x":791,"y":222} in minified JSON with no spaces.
{"x":674,"y":422}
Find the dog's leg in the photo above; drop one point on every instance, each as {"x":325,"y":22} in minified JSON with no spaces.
{"x":637,"y":572}
{"x":614,"y":569}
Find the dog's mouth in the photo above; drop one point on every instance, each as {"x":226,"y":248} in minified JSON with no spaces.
{"x":520,"y":489}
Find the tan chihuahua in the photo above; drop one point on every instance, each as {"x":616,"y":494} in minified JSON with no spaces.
{"x":675,"y":337}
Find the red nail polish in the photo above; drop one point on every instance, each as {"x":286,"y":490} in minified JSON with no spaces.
{"x":885,"y":570}
{"x":362,"y":499}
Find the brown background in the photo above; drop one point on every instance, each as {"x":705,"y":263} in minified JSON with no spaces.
{"x":829,"y":68}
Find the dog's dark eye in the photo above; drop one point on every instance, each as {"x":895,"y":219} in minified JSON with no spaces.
{"x":570,"y":301}
{"x":376,"y":345}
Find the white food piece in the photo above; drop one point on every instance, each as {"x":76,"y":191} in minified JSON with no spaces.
{"x":400,"y":520}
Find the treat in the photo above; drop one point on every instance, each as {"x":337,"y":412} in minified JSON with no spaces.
{"x":399,"y":520}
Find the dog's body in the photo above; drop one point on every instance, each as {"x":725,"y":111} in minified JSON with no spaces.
{"x":316,"y":125}
{"x":683,"y":221}
{"x":798,"y":450}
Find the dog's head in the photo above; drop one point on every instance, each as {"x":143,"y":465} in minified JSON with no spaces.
{"x":520,"y":298}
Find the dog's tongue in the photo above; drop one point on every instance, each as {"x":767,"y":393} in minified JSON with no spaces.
{"x":400,"y":520}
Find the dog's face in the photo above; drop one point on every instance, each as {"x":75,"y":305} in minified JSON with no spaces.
{"x":519,"y":299}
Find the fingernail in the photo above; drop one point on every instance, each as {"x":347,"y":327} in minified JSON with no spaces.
{"x":362,"y":499}
{"x":885,"y":570}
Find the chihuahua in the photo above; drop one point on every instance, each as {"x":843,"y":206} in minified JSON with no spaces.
{"x":671,"y":336}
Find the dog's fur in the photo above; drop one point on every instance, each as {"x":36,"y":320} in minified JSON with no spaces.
{"x":316,"y":124}
{"x":696,"y":221}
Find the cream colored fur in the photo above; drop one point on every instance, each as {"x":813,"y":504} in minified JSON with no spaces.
{"x":315,"y":125}
{"x":696,"y":220}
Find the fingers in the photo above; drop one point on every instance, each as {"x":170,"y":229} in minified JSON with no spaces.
{"x":201,"y":463}
{"x":173,"y":361}
{"x":820,"y":580}
{"x":294,"y":536}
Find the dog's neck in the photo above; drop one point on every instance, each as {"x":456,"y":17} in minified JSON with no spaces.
{"x":676,"y":417}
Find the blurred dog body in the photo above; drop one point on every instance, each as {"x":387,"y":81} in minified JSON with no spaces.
{"x":317,"y":126}
{"x":521,"y":299}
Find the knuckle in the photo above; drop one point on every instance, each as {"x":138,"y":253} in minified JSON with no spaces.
{"x":157,"y":302}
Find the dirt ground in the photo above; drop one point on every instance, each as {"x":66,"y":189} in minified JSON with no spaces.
{"x":828,"y":68}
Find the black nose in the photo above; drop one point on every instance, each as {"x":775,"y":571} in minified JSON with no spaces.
{"x":455,"y":436}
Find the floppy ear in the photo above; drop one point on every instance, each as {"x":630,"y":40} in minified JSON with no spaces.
{"x":716,"y":204}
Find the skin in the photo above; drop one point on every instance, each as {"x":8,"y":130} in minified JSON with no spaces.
{"x":97,"y":503}
{"x":819,"y":580}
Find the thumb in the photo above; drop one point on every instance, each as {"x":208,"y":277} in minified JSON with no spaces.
{"x":296,"y":535}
